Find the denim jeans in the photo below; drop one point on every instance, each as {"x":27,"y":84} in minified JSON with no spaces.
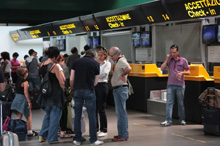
{"x":34,"y":82}
{"x":173,"y":90}
{"x":120,"y":96}
{"x":87,"y":96}
{"x":50,"y":123}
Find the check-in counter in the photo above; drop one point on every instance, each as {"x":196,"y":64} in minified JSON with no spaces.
{"x":196,"y":83}
{"x":217,"y":76}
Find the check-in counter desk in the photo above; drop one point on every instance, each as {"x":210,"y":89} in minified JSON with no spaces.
{"x":217,"y":76}
{"x":196,"y":83}
{"x":143,"y":78}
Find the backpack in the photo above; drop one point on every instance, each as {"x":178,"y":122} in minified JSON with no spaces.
{"x":46,"y":89}
{"x":8,"y":94}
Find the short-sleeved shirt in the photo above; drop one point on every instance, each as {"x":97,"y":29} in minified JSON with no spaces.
{"x":86,"y":68}
{"x":1,"y":75}
{"x":120,"y":66}
{"x":176,"y":66}
{"x":14,"y":63}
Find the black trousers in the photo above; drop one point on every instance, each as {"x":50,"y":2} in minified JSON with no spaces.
{"x":14,"y":77}
{"x":63,"y":119}
{"x":101,"y":91}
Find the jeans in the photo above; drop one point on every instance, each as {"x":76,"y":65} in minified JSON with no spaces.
{"x":50,"y":123}
{"x":89,"y":97}
{"x":173,"y":90}
{"x":120,"y":96}
{"x":34,"y":82}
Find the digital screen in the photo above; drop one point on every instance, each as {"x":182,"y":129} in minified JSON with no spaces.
{"x":89,"y":23}
{"x":15,"y":36}
{"x":136,"y":39}
{"x":96,"y":41}
{"x":61,"y":44}
{"x":49,"y":29}
{"x":218,"y":34}
{"x":68,"y":26}
{"x":90,"y":42}
{"x":209,"y":34}
{"x":145,"y":39}
{"x":124,"y":17}
{"x":154,"y":12}
{"x":189,"y":9}
{"x":35,"y":32}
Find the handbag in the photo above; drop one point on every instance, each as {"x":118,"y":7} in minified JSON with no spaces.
{"x":17,"y":126}
{"x":6,"y":123}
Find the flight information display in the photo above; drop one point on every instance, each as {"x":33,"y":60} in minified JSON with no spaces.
{"x":155,"y":12}
{"x":15,"y":36}
{"x":125,"y":17}
{"x":68,"y":26}
{"x":182,"y":9}
{"x":89,"y":23}
{"x":22,"y":34}
{"x":35,"y":32}
{"x":49,"y":29}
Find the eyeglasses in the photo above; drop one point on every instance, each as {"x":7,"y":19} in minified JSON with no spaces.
{"x":113,"y":55}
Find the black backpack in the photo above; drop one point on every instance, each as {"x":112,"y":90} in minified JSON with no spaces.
{"x":46,"y":89}
{"x":8,"y":94}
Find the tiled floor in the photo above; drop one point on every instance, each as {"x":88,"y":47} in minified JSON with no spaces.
{"x":144,"y":130}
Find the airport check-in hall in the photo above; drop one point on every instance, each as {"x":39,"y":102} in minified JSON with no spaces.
{"x":145,"y":32}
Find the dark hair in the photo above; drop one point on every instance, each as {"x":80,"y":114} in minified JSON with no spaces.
{"x":174,"y":46}
{"x":25,"y":56}
{"x":86,"y":48}
{"x":31,"y":51}
{"x":74,"y":50}
{"x":45,"y":52}
{"x":5,"y":55}
{"x":21,"y":72}
{"x":53,"y":52}
{"x":65,"y":55}
{"x":15,"y":54}
{"x":90,"y":52}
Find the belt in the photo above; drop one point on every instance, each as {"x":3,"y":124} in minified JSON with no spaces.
{"x":120,"y":86}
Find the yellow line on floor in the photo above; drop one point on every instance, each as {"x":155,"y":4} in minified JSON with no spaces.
{"x":189,"y":138}
{"x":139,"y":125}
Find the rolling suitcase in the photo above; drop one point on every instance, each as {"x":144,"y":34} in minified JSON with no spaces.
{"x":7,"y":138}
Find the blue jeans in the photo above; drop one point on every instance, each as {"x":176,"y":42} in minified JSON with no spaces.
{"x":120,"y":96}
{"x":34,"y":82}
{"x":51,"y":123}
{"x":173,"y":90}
{"x":89,"y":97}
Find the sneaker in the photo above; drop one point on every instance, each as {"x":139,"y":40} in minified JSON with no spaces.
{"x":41,"y":139}
{"x":76,"y":142}
{"x":34,"y":133}
{"x":97,"y":142}
{"x":165,"y":123}
{"x":183,"y":123}
{"x":102,"y":134}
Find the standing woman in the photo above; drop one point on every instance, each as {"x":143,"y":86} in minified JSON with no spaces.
{"x":14,"y":65}
{"x":101,"y":91}
{"x":6,"y":65}
{"x":52,"y":105}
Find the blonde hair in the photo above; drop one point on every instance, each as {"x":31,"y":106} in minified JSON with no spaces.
{"x":21,"y":72}
{"x":105,"y":52}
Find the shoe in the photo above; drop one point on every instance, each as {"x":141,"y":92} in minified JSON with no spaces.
{"x":53,"y":142}
{"x":165,"y":123}
{"x":97,"y":142}
{"x":119,"y":138}
{"x":183,"y":123}
{"x":102,"y":134}
{"x":34,"y":133}
{"x":41,"y":139}
{"x":76,"y":142}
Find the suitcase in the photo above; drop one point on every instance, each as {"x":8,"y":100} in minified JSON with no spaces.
{"x":7,"y":138}
{"x":211,"y":121}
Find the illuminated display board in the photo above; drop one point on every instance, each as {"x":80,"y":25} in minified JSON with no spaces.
{"x":68,"y":26}
{"x":49,"y":29}
{"x":155,"y":12}
{"x":22,"y":34}
{"x":125,"y":17}
{"x":35,"y":32}
{"x":188,"y":9}
{"x":89,"y":23}
{"x":15,"y":36}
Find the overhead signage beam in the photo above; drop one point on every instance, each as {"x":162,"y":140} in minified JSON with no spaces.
{"x":15,"y":36}
{"x":89,"y":23}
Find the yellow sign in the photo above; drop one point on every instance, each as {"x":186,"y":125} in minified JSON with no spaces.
{"x":117,"y":21}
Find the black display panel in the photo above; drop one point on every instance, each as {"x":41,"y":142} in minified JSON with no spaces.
{"x":89,"y":23}
{"x":15,"y":36}
{"x":22,"y":34}
{"x":68,"y":26}
{"x":49,"y":29}
{"x":218,"y":34}
{"x":136,"y":39}
{"x":35,"y":32}
{"x":155,"y":12}
{"x":145,"y":39}
{"x":125,"y":17}
{"x":209,"y":34}
{"x":90,"y":42}
{"x":189,"y":9}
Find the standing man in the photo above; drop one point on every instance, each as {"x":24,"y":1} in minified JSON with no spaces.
{"x":178,"y":67}
{"x":120,"y":92}
{"x":84,"y":77}
{"x":70,"y":60}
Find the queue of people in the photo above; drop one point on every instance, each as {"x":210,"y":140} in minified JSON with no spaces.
{"x":88,"y":79}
